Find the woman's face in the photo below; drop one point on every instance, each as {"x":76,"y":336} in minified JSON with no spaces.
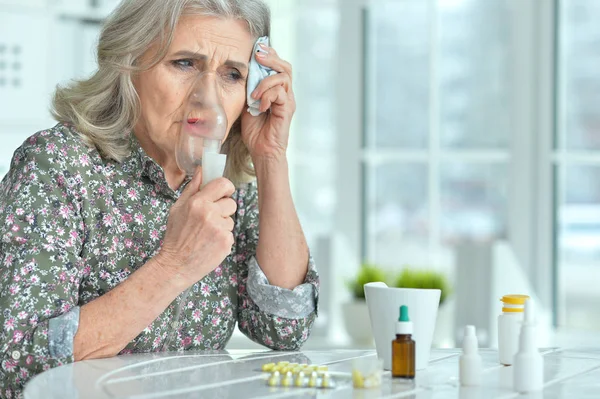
{"x":200,"y":44}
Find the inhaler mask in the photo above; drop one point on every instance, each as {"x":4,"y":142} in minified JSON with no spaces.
{"x":203,"y":128}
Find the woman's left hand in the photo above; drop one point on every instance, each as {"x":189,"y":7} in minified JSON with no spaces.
{"x":266,"y":135}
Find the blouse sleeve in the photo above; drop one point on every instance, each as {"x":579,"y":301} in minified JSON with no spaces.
{"x":40,"y":266}
{"x":269,"y":315}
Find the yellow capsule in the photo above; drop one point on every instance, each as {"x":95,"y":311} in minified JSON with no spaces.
{"x":273,"y":382}
{"x":299,"y":380}
{"x":322,"y":368}
{"x":312,"y":382}
{"x":268,"y":367}
{"x":325,"y":382}
{"x":287,"y":380}
{"x":283,"y":363}
{"x":358,"y":381}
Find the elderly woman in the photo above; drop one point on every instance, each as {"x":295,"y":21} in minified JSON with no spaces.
{"x":108,"y":248}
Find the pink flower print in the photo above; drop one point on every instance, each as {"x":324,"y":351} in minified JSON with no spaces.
{"x":154,"y":202}
{"x":19,"y":211}
{"x":156,"y":343}
{"x":17,"y":336}
{"x":196,"y":315}
{"x":233,"y":280}
{"x":268,"y":341}
{"x":132,"y":194}
{"x":216,"y":321}
{"x":107,"y":220}
{"x":204,"y":304}
{"x":84,"y":160}
{"x":139,"y":218}
{"x":104,"y":275}
{"x":34,"y":279}
{"x":8,"y":261}
{"x":154,"y":235}
{"x":219,"y":271}
{"x":9,"y":324}
{"x":50,"y":148}
{"x":15,"y":228}
{"x":64,"y":212}
{"x":219,"y":310}
{"x":9,"y":365}
{"x":10,"y":219}
{"x":128,"y":242}
{"x":205,"y":290}
{"x":198,"y":339}
{"x":14,"y":289}
{"x":60,"y":231}
{"x":186,"y":341}
{"x":126,"y":218}
{"x":29,"y":360}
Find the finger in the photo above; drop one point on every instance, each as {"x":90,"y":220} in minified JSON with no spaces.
{"x":217,"y":189}
{"x":228,"y":224}
{"x":271,"y":59}
{"x":227,"y":206}
{"x":275,"y":95}
{"x":194,"y":185}
{"x":281,"y":79}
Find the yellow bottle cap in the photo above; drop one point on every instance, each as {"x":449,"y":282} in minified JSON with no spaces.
{"x":511,"y":301}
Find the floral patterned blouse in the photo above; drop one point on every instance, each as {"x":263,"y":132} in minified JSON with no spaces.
{"x":73,"y":225}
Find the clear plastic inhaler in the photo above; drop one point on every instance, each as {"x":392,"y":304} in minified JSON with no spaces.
{"x":203,"y":128}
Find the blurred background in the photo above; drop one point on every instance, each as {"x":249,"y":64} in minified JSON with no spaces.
{"x":437,"y":143}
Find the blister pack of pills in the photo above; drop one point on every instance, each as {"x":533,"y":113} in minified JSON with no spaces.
{"x":285,"y":374}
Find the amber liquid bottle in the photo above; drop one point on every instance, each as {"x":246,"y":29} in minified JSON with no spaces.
{"x":403,"y":348}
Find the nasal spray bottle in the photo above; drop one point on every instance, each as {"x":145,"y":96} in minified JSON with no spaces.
{"x":470,"y":360}
{"x":528,"y":363}
{"x":203,"y":129}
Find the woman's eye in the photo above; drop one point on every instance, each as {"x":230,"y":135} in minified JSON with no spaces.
{"x":234,"y":75}
{"x":183,"y":64}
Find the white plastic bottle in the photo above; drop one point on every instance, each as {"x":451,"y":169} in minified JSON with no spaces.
{"x":509,"y":323}
{"x":470,"y":361}
{"x":529,"y":363}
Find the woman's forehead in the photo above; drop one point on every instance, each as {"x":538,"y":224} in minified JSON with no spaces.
{"x":213,"y":36}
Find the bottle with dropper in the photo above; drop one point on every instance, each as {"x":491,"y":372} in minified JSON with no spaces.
{"x":203,"y":128}
{"x":528,"y":362}
{"x":403,"y":347}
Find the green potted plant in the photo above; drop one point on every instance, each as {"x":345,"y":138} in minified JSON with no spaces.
{"x":423,"y":278}
{"x":432,"y":279}
{"x":355,"y":312}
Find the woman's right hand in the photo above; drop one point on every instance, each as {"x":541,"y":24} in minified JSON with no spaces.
{"x":199,"y":231}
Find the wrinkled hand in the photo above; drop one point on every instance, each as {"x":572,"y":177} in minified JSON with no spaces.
{"x":199,"y":231}
{"x":266,"y":135}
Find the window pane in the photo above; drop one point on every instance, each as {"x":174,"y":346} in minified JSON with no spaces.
{"x":315,"y":44}
{"x":398,"y":44}
{"x":580,"y":58}
{"x":398,"y":215}
{"x":473,"y":202}
{"x":579,"y":246}
{"x":474,"y":53}
{"x":314,"y":196}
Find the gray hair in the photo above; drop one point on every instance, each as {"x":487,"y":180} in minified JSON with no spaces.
{"x":105,"y":107}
